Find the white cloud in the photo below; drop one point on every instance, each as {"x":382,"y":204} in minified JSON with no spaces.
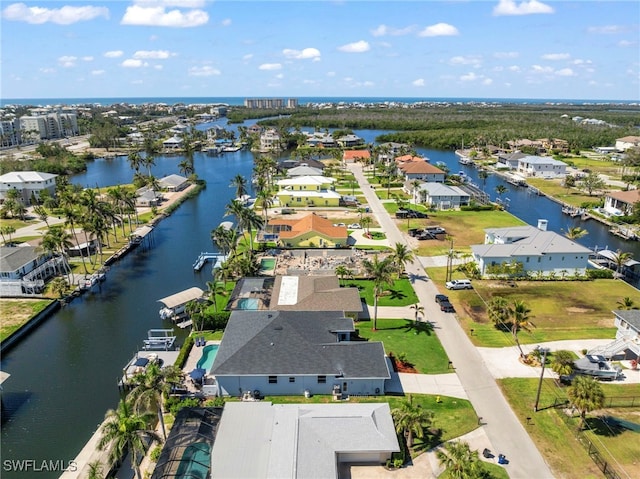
{"x":152,"y":54}
{"x":114,"y":54}
{"x":247,"y":57}
{"x":468,"y":60}
{"x":172,"y":3}
{"x":47,"y":70}
{"x":132,"y":63}
{"x":66,"y":15}
{"x":556,"y":56}
{"x":97,"y":72}
{"x":136,"y":82}
{"x":270,"y":66}
{"x":439,"y":30}
{"x":541,"y":69}
{"x":579,"y":61}
{"x":530,"y":7}
{"x":331,"y":74}
{"x":204,"y":71}
{"x":306,"y":53}
{"x":418,"y":82}
{"x":565,"y":72}
{"x":506,"y":54}
{"x":471,"y":76}
{"x":607,"y":29}
{"x":67,"y":61}
{"x":226,"y":22}
{"x":160,"y":17}
{"x":355,"y":47}
{"x":626,"y":43}
{"x":87,"y":59}
{"x":279,"y":76}
{"x":383,"y":30}
{"x":158,"y":67}
{"x":514,"y":68}
{"x":487,"y":81}
{"x":368,"y":83}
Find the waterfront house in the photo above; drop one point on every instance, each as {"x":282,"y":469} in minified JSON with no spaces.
{"x":173,"y":143}
{"x":29,"y":184}
{"x":287,"y":164}
{"x":352,"y":156}
{"x":270,"y":140}
{"x":420,"y":170}
{"x":510,"y":160}
{"x":620,"y":203}
{"x":542,"y":167}
{"x":147,"y":197}
{"x":623,"y":144}
{"x":173,"y":183}
{"x":320,"y":140}
{"x":301,"y":441}
{"x":349,"y":141}
{"x":314,"y":293}
{"x":627,"y":341}
{"x":297,"y":353}
{"x":306,"y":232}
{"x":24,"y":269}
{"x":441,"y":196}
{"x":304,"y":170}
{"x":538,"y":250}
{"x":308,"y":191}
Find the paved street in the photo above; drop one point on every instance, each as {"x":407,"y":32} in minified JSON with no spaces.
{"x":503,"y":429}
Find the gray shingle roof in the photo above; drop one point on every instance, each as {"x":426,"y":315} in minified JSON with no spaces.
{"x":295,"y":343}
{"x":13,"y":258}
{"x":631,"y":316}
{"x":318,"y":293}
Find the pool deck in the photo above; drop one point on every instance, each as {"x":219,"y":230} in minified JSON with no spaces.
{"x":192,"y":362}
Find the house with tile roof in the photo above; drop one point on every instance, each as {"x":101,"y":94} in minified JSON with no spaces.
{"x":297,"y":353}
{"x":420,"y":170}
{"x":351,"y":156}
{"x":301,"y":441}
{"x":538,"y":250}
{"x":308,"y":191}
{"x":28,"y":183}
{"x":306,"y":232}
{"x":621,"y":202}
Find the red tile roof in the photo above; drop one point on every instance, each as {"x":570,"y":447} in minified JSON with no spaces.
{"x":419,"y":167}
{"x":308,"y":223}
{"x":356,"y":154}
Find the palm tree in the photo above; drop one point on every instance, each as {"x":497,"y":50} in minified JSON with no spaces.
{"x":125,"y":431}
{"x":239,"y":182}
{"x":414,"y":185}
{"x":251,"y":221}
{"x":459,"y":460}
{"x":620,"y":258}
{"x":520,"y":320}
{"x":215,"y":289}
{"x":418,"y":311}
{"x":381,"y":273}
{"x":562,"y":363}
{"x":575,"y":233}
{"x":186,"y":168}
{"x":135,"y":161}
{"x":412,"y":421}
{"x":235,"y":208}
{"x":7,"y":230}
{"x":266,"y":198}
{"x":343,"y":272}
{"x":626,"y":303}
{"x":401,"y":256}
{"x":365,"y":222}
{"x":151,"y":386}
{"x":586,"y":395}
{"x":501,"y":190}
{"x":43,"y":214}
{"x":483,"y":175}
{"x":499,"y":311}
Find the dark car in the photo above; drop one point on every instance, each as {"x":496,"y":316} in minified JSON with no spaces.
{"x":413,"y":232}
{"x":447,"y":307}
{"x":442,"y":298}
{"x":425,"y":235}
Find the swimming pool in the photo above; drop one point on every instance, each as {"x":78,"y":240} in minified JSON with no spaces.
{"x":195,"y":461}
{"x":251,"y":304}
{"x":267,"y":264}
{"x":208,"y":356}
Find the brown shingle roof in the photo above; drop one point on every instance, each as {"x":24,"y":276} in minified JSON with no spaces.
{"x":630,"y":197}
{"x":311,"y":222}
{"x":318,"y":293}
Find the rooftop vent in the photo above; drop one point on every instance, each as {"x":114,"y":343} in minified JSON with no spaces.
{"x":542,"y":225}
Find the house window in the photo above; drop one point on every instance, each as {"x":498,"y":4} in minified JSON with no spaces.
{"x":273,"y":379}
{"x":527,"y":259}
{"x":322,"y":379}
{"x":292,"y":379}
{"x":539,"y":259}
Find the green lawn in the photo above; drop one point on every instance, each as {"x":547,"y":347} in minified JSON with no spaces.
{"x":553,"y":437}
{"x":415,"y":340}
{"x":490,"y":471}
{"x":572,"y":196}
{"x":16,"y":312}
{"x":400,"y":294}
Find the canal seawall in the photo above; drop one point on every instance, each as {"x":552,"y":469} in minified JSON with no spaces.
{"x":23,"y":330}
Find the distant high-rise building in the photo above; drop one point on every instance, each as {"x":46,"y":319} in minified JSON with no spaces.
{"x":270,"y":103}
{"x":9,"y":133}
{"x":48,"y":126}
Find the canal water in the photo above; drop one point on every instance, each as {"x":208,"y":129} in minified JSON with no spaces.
{"x":64,"y":374}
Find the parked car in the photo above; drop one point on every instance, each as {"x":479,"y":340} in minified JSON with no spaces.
{"x":354,"y":226}
{"x":425,"y":235}
{"x":441,"y":298}
{"x":447,"y":307}
{"x":459,"y":284}
{"x":413,"y":232}
{"x":436,"y":230}
{"x":404,"y":213}
{"x":339,"y":224}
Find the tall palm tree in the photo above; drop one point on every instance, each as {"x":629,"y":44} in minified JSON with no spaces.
{"x":186,"y":167}
{"x":576,"y":232}
{"x":483,"y":175}
{"x":459,"y":460}
{"x":365,"y":222}
{"x":266,"y":198}
{"x":586,"y":395}
{"x":381,"y":273}
{"x":520,"y":320}
{"x":412,"y":420}
{"x":236,"y":209}
{"x":418,"y":311}
{"x":239,"y":182}
{"x":401,"y":256}
{"x":499,"y":311}
{"x":135,"y":161}
{"x":620,"y":258}
{"x":43,"y":214}
{"x":501,"y":190}
{"x":215,"y":289}
{"x":562,"y":363}
{"x":124,"y":431}
{"x":72,"y":216}
{"x":251,"y":221}
{"x":150,"y":388}
{"x":343,"y":272}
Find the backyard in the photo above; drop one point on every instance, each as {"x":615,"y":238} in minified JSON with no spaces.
{"x":401,"y":293}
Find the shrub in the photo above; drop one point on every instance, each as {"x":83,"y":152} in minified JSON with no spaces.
{"x":184,"y":351}
{"x":216,"y":321}
{"x":174,"y":404}
{"x":155,"y":453}
{"x":599,"y":274}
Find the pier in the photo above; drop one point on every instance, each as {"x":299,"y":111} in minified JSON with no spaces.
{"x":217,"y":258}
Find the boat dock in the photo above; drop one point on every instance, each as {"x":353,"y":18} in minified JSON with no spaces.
{"x":175,"y":304}
{"x":218,"y":260}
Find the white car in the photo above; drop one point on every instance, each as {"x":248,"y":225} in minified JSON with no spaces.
{"x":339,"y":224}
{"x":354,"y":226}
{"x":459,"y":284}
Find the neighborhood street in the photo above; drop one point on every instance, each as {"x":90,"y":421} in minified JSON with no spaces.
{"x":503,"y":429}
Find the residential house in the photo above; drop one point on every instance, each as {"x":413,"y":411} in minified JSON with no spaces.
{"x":623,"y":144}
{"x":173,"y":183}
{"x":538,"y":250}
{"x":308,"y":191}
{"x":320,"y":140}
{"x":390,"y":150}
{"x":82,"y":244}
{"x":270,"y":140}
{"x":420,"y":169}
{"x":297,"y":353}
{"x":510,"y":160}
{"x":352,"y":156}
{"x":441,"y":196}
{"x":287,"y":164}
{"x":304,"y":170}
{"x":307,"y":232}
{"x":627,"y":342}
{"x":173,"y":143}
{"x":24,"y":269}
{"x":29,"y":184}
{"x":542,"y":167}
{"x":349,"y":141}
{"x":301,"y":441}
{"x":215,"y":132}
{"x":619,"y":203}
{"x":147,"y":197}
{"x":526,"y":143}
{"x":314,"y":293}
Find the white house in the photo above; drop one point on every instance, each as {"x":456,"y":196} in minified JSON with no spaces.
{"x":24,"y":269}
{"x":510,"y":160}
{"x":297,"y":353}
{"x":303,"y":441}
{"x":270,"y":140}
{"x":28,"y":184}
{"x":173,"y":183}
{"x":621,"y":202}
{"x":173,"y":143}
{"x":627,"y":340}
{"x":441,"y":196}
{"x":623,"y":144}
{"x":542,"y":166}
{"x":538,"y":250}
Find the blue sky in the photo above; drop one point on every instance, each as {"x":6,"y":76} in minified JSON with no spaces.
{"x":456,"y":48}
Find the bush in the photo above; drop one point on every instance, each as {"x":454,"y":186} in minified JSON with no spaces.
{"x":184,"y":351}
{"x":155,"y":453}
{"x":477,"y":208}
{"x":599,"y":274}
{"x":215,"y":402}
{"x":174,"y":404}
{"x":216,"y":321}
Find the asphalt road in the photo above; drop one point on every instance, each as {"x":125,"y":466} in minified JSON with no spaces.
{"x":504,"y":430}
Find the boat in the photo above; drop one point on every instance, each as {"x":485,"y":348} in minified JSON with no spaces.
{"x":597,"y":366}
{"x":625,"y":233}
{"x":159,"y":339}
{"x":516,"y":180}
{"x":175,"y":305}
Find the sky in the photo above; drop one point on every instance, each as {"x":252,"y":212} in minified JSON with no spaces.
{"x":350,"y":48}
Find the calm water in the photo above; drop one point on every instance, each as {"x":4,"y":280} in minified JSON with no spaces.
{"x":64,"y":373}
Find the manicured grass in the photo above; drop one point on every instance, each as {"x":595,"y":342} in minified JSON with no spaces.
{"x":490,"y":471}
{"x":559,"y":309}
{"x":415,"y":340}
{"x":572,"y":196}
{"x":393,"y":192}
{"x":554,"y":438}
{"x":211,"y":335}
{"x":401,"y":293}
{"x":15,"y":313}
{"x":607,"y":167}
